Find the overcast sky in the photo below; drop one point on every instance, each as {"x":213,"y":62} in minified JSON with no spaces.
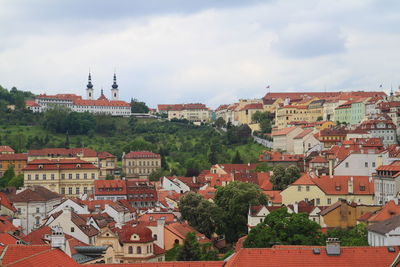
{"x":215,"y":52}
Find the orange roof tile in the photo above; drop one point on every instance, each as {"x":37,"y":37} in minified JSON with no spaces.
{"x":284,"y":131}
{"x":305,"y":179}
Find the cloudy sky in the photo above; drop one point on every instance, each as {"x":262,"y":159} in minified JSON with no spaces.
{"x":210,"y":51}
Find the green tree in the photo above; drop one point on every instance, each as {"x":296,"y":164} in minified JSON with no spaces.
{"x":320,"y":118}
{"x":263,"y":167}
{"x":220,"y":122}
{"x":264,"y":119}
{"x":237,"y":159}
{"x":356,"y":236}
{"x":190,"y":250}
{"x":172,"y":254}
{"x":282,"y":177}
{"x":138,"y":107}
{"x":233,"y":201}
{"x":200,"y":213}
{"x":281,"y":227}
{"x":17,"y":181}
{"x":7,"y":176}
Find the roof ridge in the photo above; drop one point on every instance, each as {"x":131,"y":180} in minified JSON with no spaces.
{"x":30,"y":256}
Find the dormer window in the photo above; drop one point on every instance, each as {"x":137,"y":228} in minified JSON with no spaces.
{"x":135,"y":237}
{"x":40,"y":166}
{"x":362,"y":187}
{"x":78,"y":165}
{"x":337,"y":188}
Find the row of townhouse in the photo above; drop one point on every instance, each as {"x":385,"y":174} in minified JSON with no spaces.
{"x":194,"y":112}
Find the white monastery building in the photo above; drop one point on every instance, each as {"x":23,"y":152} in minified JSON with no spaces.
{"x":101,"y":105}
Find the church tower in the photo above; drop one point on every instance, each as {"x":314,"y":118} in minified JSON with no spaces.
{"x":114,"y":89}
{"x":89,"y":88}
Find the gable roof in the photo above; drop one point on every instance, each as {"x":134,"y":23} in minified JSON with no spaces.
{"x":6,"y":149}
{"x":385,"y":226}
{"x":389,"y":210}
{"x":283,"y":131}
{"x":35,"y":193}
{"x":305,"y":179}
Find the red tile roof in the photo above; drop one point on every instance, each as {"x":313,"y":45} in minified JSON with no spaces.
{"x":6,"y":149}
{"x":110,"y":187}
{"x":274,"y":196}
{"x":5,"y":202}
{"x":141,"y":154}
{"x":36,"y":193}
{"x":31,"y":103}
{"x":389,"y":210}
{"x":303,"y":133}
{"x":304,"y":256}
{"x":31,"y":255}
{"x":319,"y":159}
{"x":253,"y":106}
{"x":6,"y":225}
{"x":36,"y":237}
{"x":166,"y":264}
{"x":182,"y":229}
{"x":103,"y":102}
{"x":144,"y":234}
{"x":17,"y":156}
{"x":284,"y":131}
{"x":66,"y":152}
{"x":176,"y":107}
{"x":59,"y":164}
{"x":7,"y":239}
{"x":305,"y":179}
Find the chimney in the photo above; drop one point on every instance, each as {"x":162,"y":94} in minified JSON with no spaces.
{"x":296,"y":207}
{"x":57,"y":238}
{"x":159,"y":233}
{"x":350,"y":185}
{"x":333,"y":247}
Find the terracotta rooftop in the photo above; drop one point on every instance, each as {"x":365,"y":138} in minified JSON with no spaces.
{"x":385,"y":226}
{"x":36,"y":193}
{"x":284,"y":131}
{"x":304,"y":256}
{"x":7,"y":149}
{"x":141,"y":154}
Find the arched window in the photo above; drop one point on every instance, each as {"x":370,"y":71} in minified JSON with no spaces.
{"x":139,"y":250}
{"x":176,"y":241}
{"x":130,"y":250}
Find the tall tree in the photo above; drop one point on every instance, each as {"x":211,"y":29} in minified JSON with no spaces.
{"x":233,"y":201}
{"x":138,"y":107}
{"x":237,"y":159}
{"x":190,"y":251}
{"x":281,"y":227}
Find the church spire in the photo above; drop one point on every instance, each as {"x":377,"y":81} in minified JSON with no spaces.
{"x":115,"y":85}
{"x":90,"y":85}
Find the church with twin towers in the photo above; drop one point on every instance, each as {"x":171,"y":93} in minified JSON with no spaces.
{"x":102,"y":105}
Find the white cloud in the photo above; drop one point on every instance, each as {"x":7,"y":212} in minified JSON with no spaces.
{"x":210,"y":54}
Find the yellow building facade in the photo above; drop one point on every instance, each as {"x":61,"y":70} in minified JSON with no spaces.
{"x":69,"y":177}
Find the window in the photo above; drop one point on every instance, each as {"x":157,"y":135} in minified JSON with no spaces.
{"x":373,"y":164}
{"x":306,"y":199}
{"x":307,"y":188}
{"x":37,"y":220}
{"x":299,"y":188}
{"x":347,"y":165}
{"x":130,"y":250}
{"x":85,"y":176}
{"x":337,"y":188}
{"x":72,"y":229}
{"x":63,"y":190}
{"x":19,"y":210}
{"x":139,"y":250}
{"x":318,"y":201}
{"x":37,"y":210}
{"x":70,"y":190}
{"x":70,"y":176}
{"x":52,"y":176}
{"x":77,"y":190}
{"x":329,"y":201}
{"x":366,"y":164}
{"x":36,"y":176}
{"x":93,"y":175}
{"x":85,"y":190}
{"x":63,"y":176}
{"x":77,"y":176}
{"x":362,"y":187}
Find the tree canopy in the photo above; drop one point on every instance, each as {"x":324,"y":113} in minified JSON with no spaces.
{"x":282,"y":177}
{"x":281,"y":227}
{"x":233,"y":201}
